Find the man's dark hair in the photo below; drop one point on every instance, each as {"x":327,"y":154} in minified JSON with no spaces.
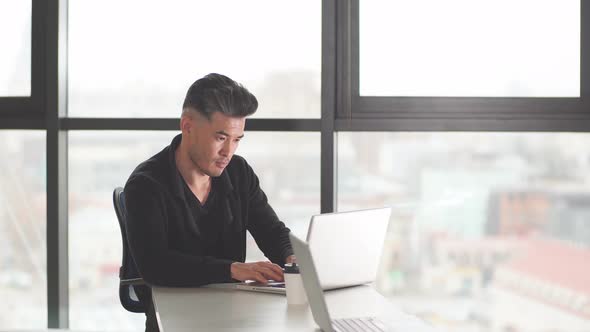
{"x":219,"y":93}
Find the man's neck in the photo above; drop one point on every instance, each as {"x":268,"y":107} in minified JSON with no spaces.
{"x":197,"y":181}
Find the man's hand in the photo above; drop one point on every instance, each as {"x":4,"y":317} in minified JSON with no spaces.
{"x":258,"y":271}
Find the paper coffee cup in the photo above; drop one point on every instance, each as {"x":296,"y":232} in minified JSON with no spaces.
{"x":294,"y":285}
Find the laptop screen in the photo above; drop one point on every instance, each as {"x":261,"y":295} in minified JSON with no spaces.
{"x":338,"y":241}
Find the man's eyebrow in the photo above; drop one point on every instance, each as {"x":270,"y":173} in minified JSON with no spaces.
{"x":221,"y":132}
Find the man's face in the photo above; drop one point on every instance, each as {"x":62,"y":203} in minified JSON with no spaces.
{"x":212,"y":142}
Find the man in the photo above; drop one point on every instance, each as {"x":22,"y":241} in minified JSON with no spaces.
{"x":189,"y":206}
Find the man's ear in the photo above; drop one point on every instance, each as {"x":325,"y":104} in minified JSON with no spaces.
{"x":186,"y":124}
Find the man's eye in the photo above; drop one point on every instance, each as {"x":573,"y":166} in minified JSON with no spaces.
{"x":221,"y":138}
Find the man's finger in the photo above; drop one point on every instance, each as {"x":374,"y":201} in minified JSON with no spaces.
{"x":274,"y":267}
{"x":270,"y":273}
{"x":259,"y":277}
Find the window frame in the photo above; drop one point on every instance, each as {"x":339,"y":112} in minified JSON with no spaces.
{"x":28,"y":112}
{"x":367,"y":113}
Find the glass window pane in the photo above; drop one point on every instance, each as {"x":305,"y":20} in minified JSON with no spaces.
{"x":142,"y":62}
{"x":470,"y":48}
{"x":23,"y":249}
{"x":489,"y":231}
{"x":111,"y":156}
{"x":15,"y":57}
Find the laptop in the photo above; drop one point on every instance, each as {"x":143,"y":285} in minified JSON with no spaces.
{"x":337,"y":241}
{"x":317,"y":302}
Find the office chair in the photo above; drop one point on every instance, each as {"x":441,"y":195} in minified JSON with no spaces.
{"x":128,"y":272}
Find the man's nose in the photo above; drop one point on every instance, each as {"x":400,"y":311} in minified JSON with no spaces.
{"x":226,"y":149}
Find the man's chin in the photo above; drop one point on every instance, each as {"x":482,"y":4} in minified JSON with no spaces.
{"x":216,"y":172}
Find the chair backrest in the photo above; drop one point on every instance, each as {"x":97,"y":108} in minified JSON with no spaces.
{"x":128,"y":274}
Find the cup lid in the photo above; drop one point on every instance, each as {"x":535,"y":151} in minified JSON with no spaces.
{"x":291,"y":268}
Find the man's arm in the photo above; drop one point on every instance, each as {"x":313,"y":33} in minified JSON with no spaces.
{"x":147,"y":236}
{"x":271,"y":235}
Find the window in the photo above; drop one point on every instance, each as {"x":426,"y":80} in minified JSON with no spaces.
{"x":144,"y":69}
{"x":469,"y":208}
{"x":23,"y":282}
{"x":15,"y":58}
{"x":464,"y":65}
{"x":468,"y":48}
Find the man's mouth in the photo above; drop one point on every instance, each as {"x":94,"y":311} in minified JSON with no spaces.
{"x":222,"y":163}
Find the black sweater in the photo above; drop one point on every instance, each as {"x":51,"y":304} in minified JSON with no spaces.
{"x":163,"y":231}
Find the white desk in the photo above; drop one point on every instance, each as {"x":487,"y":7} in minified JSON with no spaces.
{"x":206,"y":309}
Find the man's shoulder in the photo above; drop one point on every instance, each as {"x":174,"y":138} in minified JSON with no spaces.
{"x":239,"y":171}
{"x":238,"y":165}
{"x":151,"y":172}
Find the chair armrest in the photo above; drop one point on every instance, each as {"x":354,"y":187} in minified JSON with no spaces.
{"x":133,"y":281}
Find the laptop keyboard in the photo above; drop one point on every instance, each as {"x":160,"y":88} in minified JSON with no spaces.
{"x":281,"y":285}
{"x":370,"y":324}
{"x":275,"y":284}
